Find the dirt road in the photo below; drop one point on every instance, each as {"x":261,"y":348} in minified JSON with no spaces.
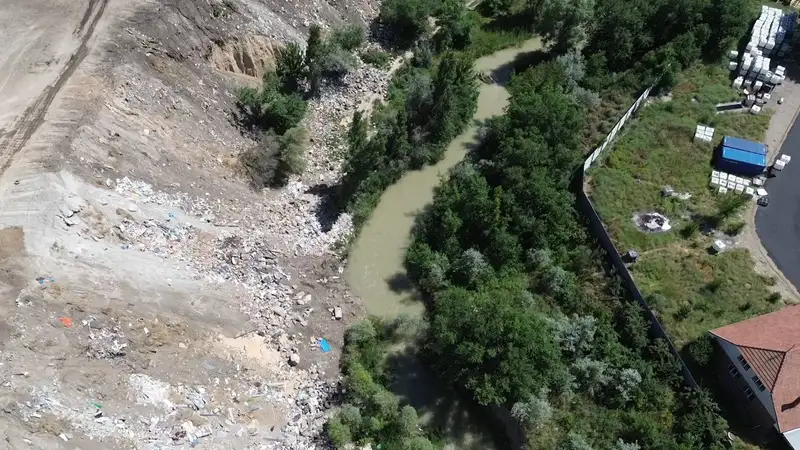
{"x":16,"y":135}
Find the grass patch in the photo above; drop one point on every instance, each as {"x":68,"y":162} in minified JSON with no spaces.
{"x":692,"y":290}
{"x":657,"y":150}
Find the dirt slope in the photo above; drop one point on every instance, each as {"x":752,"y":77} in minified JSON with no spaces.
{"x":152,"y":298}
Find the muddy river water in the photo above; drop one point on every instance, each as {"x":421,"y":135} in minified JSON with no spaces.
{"x":375,"y":263}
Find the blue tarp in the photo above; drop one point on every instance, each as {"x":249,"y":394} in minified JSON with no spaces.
{"x":324,"y":345}
{"x":743,"y":144}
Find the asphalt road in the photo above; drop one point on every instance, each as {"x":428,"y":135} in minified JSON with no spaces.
{"x":778,"y":225}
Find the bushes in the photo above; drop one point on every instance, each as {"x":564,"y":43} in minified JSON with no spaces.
{"x":376,"y":57}
{"x":372,"y":414}
{"x":278,"y":106}
{"x":407,"y":19}
{"x":349,"y":37}
{"x":270,"y":107}
{"x":276,"y":158}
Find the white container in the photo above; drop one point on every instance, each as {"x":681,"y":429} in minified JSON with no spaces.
{"x":779,"y":165}
{"x":767,"y":97}
{"x":737,"y":83}
{"x":758,"y":85}
{"x":723,"y":176}
{"x":758,"y":181}
{"x":739,"y":188}
{"x":714,"y":183}
{"x":715,"y":174}
{"x":749,"y":191}
{"x":718,"y":246}
{"x":732,"y":65}
{"x":761,"y":192}
{"x":722,"y":190}
{"x":730,"y":185}
{"x":733,"y":54}
{"x":786,"y":158}
{"x":755,"y":109}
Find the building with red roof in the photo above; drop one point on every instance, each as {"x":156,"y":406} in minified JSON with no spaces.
{"x":764,"y":352}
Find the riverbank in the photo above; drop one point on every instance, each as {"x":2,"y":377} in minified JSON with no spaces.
{"x":375,"y":265}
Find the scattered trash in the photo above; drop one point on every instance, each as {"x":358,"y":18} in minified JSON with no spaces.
{"x":41,"y":280}
{"x":294,"y":359}
{"x":337,"y":313}
{"x":66,"y":321}
{"x":16,"y":182}
{"x":324,"y":345}
{"x":652,"y":222}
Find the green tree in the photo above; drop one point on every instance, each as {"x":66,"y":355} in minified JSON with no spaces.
{"x":291,"y":156}
{"x":469,"y":350}
{"x":269,"y":107}
{"x":698,"y":421}
{"x":349,"y":37}
{"x":290,"y":66}
{"x":455,"y":96}
{"x":407,"y":19}
{"x":455,"y":26}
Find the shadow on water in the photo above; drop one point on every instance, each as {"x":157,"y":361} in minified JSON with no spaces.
{"x":445,"y":412}
{"x":502,"y":74}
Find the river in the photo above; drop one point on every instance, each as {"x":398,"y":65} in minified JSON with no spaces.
{"x":375,"y":263}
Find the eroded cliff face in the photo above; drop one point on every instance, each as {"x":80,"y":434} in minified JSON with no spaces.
{"x":153,"y":297}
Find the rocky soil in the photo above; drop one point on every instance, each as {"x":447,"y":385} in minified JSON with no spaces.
{"x":155,"y":300}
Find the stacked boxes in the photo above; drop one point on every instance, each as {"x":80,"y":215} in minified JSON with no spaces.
{"x":703,"y":134}
{"x":768,"y":37}
{"x":724,"y":182}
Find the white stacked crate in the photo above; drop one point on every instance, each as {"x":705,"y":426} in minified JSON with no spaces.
{"x":703,"y":134}
{"x":768,"y":37}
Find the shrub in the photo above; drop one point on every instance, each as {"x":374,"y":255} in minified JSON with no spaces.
{"x":407,"y":19}
{"x":335,"y":62}
{"x":775,"y":297}
{"x":734,"y":228}
{"x":376,"y":57}
{"x":349,"y":37}
{"x":276,"y":158}
{"x":270,"y":107}
{"x":290,"y":66}
{"x":261,"y":160}
{"x":701,"y":350}
{"x":690,"y":230}
{"x":291,"y":156}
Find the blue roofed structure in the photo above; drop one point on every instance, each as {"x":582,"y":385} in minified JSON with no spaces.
{"x":741,"y":162}
{"x":743,"y":144}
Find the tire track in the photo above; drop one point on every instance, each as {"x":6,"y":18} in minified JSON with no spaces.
{"x":14,"y":139}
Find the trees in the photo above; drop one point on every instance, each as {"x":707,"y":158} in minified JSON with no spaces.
{"x":514,"y":303}
{"x":270,"y":107}
{"x":290,"y":66}
{"x":455,"y":26}
{"x":407,"y":19}
{"x":455,"y":96}
{"x":469,"y":348}
{"x":371,"y":413}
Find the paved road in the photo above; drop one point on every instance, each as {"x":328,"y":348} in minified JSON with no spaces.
{"x":778,"y":225}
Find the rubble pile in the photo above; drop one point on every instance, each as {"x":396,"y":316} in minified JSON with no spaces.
{"x":105,"y":340}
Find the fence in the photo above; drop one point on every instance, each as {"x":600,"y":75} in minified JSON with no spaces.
{"x":599,"y":231}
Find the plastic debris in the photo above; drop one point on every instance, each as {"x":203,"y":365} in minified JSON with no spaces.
{"x":66,"y":321}
{"x":324,"y":345}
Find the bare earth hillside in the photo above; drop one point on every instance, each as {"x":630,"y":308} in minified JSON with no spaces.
{"x":152,"y":298}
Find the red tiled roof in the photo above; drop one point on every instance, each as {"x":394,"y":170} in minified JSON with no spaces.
{"x":771,"y":345}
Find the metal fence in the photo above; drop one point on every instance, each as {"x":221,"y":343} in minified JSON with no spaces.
{"x":597,"y":229}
